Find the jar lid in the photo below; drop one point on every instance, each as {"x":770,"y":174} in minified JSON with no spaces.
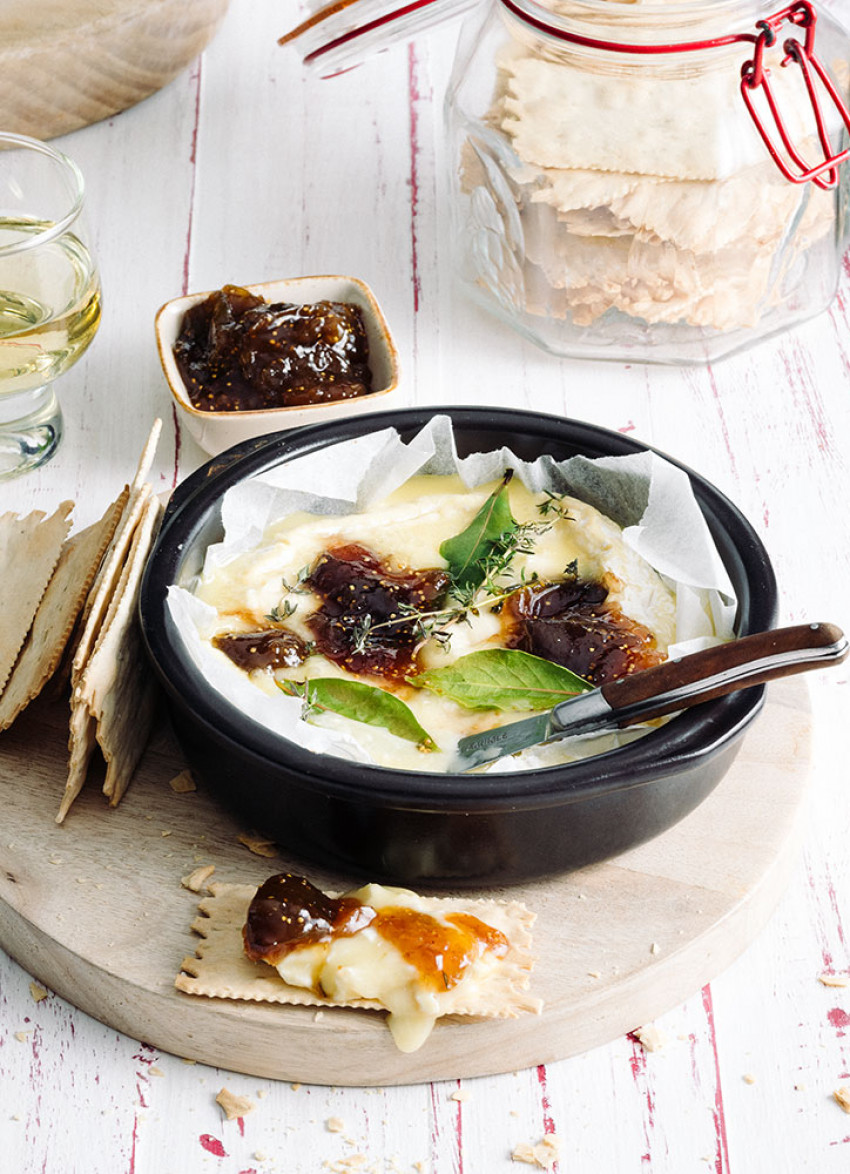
{"x":343,"y":33}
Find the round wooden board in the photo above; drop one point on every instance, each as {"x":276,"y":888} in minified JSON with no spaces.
{"x":68,"y":63}
{"x":95,"y":910}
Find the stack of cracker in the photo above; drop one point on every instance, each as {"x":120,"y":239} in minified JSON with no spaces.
{"x":74,"y":616}
{"x":642,"y":190}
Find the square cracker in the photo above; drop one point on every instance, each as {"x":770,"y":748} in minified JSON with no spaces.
{"x":103,"y":588}
{"x":57,"y":614}
{"x":29,"y":550}
{"x":127,"y":708}
{"x":114,"y":700}
{"x":562,"y":115}
{"x":220,"y":969}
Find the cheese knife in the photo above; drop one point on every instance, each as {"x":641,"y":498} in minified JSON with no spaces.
{"x":674,"y":685}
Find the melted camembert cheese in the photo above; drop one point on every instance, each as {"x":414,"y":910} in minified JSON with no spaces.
{"x":278,"y":585}
{"x":384,"y":945}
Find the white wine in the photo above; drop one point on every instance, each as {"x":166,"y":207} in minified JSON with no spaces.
{"x":49,"y":305}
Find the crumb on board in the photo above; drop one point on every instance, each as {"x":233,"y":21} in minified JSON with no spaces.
{"x":257,"y":844}
{"x":842,"y":1097}
{"x":183,"y":783}
{"x":545,"y":1154}
{"x":154,"y":1071}
{"x":234,"y":1106}
{"x":655,"y":948}
{"x":460,"y":1094}
{"x":37,"y":992}
{"x":650,"y":1037}
{"x":834,"y":979}
{"x":335,"y":1125}
{"x":198,"y":877}
{"x":22,"y":1036}
{"x":748,"y":1078}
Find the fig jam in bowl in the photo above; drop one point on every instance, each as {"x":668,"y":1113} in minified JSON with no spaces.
{"x":242,"y":362}
{"x":412,"y":826}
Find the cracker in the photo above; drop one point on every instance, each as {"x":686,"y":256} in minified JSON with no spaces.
{"x":569,"y":190}
{"x":29,"y":551}
{"x":183,"y":783}
{"x":645,"y":278}
{"x":147,"y":455}
{"x":234,"y":1106}
{"x":111,"y":520}
{"x":257,"y":844}
{"x":105,"y":584}
{"x":57,"y":614}
{"x":117,"y":683}
{"x":219,"y":969}
{"x":544,"y":1154}
{"x":650,"y":1037}
{"x":756,"y":205}
{"x":566,"y":116}
{"x":114,"y":700}
{"x":198,"y":877}
{"x":135,"y":496}
{"x":81,"y":744}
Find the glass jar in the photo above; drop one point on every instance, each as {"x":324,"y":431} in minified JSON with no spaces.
{"x":646,"y":180}
{"x":630,"y":178}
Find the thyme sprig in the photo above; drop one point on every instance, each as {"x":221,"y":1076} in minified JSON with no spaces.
{"x":554,"y":504}
{"x":288,"y":607}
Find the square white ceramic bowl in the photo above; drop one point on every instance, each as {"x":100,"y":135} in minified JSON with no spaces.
{"x":216,"y":431}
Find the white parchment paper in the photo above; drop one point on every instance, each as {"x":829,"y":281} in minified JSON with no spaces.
{"x":649,"y":498}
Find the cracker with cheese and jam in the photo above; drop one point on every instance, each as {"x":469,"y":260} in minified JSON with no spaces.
{"x":378,"y":948}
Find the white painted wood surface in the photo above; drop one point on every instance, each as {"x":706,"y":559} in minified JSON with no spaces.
{"x":242,"y":170}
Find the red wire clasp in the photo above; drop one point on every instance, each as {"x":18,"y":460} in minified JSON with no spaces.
{"x":755,"y":75}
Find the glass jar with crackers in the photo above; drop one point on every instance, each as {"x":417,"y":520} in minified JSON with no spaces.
{"x":654,"y":181}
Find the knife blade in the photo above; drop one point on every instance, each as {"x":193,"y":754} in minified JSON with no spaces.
{"x":676,"y":684}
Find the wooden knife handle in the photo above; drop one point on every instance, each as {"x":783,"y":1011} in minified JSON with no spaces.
{"x":724,"y":668}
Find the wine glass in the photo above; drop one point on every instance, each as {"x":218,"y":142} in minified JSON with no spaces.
{"x":49,"y":295}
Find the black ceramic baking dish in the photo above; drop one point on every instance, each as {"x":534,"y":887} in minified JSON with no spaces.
{"x":420,"y":828}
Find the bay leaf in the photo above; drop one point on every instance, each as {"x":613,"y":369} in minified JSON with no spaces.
{"x":361,"y":703}
{"x":502,"y":678}
{"x":467,"y":552}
